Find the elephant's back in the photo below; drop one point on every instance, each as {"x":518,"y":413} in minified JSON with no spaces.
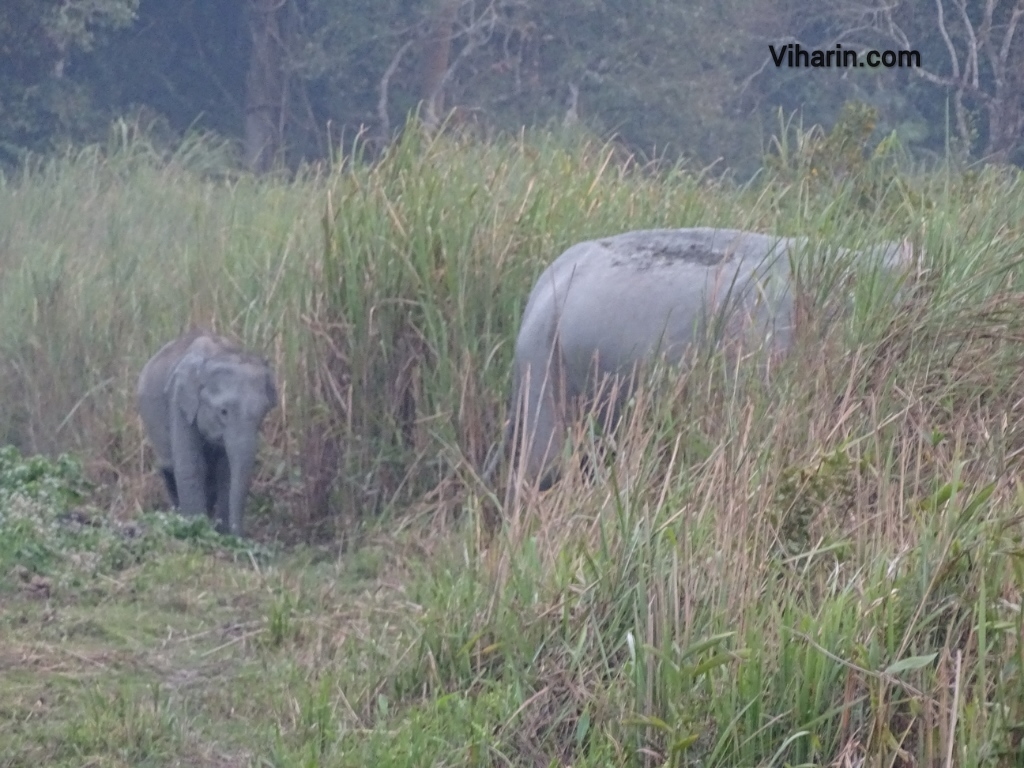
{"x":679,"y":255}
{"x":645,"y":292}
{"x":693,"y":248}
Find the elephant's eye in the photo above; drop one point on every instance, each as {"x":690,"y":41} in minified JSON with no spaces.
{"x":224,"y":412}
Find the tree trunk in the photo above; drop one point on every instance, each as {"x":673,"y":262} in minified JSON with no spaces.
{"x":264,"y":86}
{"x":436,"y":56}
{"x":1005,"y":123}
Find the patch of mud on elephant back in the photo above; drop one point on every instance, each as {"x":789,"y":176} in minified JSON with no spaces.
{"x":203,"y":401}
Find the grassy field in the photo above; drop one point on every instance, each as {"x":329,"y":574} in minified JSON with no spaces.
{"x":818,"y":567}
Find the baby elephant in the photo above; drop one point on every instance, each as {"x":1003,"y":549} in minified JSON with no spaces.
{"x":202,"y":401}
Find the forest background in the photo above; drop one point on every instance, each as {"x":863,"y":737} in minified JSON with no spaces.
{"x":291,"y":81}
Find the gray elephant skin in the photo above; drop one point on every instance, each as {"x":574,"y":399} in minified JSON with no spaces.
{"x":604,"y":306}
{"x":203,"y":400}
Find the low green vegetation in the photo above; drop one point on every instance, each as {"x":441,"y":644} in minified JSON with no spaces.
{"x":820,"y":566}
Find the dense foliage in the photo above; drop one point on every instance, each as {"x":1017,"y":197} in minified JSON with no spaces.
{"x":296,"y":80}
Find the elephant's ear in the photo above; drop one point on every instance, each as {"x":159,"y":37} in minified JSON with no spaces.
{"x":184,"y":384}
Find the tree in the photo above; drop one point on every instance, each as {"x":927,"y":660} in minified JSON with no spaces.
{"x":437,"y":47}
{"x":39,"y":98}
{"x":185,"y":61}
{"x":985,"y":67}
{"x":973,"y":51}
{"x":265,"y":94}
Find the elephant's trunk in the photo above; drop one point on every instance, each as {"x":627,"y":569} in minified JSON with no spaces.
{"x":241,"y":451}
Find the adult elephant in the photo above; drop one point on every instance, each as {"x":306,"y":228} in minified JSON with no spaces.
{"x":605,"y":306}
{"x":203,"y":400}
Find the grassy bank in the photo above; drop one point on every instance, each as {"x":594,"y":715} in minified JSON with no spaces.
{"x":820,"y":567}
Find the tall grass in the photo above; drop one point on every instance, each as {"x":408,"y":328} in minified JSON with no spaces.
{"x":386,"y":295}
{"x":820,"y":566}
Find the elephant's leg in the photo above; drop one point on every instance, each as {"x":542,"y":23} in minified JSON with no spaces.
{"x":190,"y":470}
{"x":212,"y":456}
{"x":172,"y":488}
{"x":222,"y":491}
{"x":539,"y":419}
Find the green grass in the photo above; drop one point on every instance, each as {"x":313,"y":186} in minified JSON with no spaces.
{"x":821,"y":566}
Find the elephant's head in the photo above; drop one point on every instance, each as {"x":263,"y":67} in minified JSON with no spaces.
{"x":225,"y":395}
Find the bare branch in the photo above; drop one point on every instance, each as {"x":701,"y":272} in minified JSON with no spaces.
{"x":382,"y":102}
{"x":971,"y":70}
{"x":894,"y":30}
{"x":752,"y":76}
{"x":985,"y":33}
{"x":478,"y":33}
{"x":954,"y":60}
{"x":1004,"y":49}
{"x":898,"y":36}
